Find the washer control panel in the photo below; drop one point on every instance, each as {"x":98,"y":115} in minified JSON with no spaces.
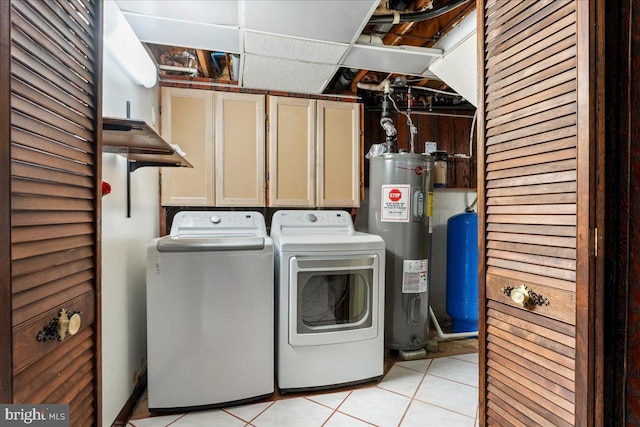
{"x":322,"y":221}
{"x":214,"y":223}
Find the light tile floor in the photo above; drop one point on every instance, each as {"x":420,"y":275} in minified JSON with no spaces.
{"x":417,"y":393}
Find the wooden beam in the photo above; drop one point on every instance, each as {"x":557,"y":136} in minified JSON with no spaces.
{"x":204,"y":63}
{"x":394,"y":38}
{"x":356,"y":79}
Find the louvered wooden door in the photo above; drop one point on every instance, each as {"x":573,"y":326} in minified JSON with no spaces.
{"x":536,"y":198}
{"x":54,"y":126}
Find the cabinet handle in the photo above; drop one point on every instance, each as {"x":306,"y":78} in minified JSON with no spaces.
{"x":67,"y":323}
{"x":524,"y":296}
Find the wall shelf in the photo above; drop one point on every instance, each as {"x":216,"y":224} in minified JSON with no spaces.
{"x":141,"y":145}
{"x":136,"y":140}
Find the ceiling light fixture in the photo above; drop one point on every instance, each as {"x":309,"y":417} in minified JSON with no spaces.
{"x":125,"y":48}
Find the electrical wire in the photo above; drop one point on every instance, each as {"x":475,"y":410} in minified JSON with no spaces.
{"x":473,"y":124}
{"x":437,"y":91}
{"x":409,"y":121}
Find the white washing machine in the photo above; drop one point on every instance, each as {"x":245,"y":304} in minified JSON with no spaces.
{"x":210,"y":312}
{"x":330,"y":300}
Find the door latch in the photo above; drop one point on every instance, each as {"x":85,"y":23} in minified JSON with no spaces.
{"x":67,"y":323}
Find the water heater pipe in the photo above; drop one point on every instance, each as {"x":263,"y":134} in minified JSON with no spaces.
{"x":451,"y":336}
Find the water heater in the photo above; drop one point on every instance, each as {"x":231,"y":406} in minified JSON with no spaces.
{"x":400,"y":205}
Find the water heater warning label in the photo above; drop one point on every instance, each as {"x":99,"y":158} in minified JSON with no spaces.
{"x":415,"y":273}
{"x":395,"y":203}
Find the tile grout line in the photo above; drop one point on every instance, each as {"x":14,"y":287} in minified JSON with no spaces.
{"x":449,"y":379}
{"x":179,"y":418}
{"x":355,"y":418}
{"x":463,"y":360}
{"x":337,"y":410}
{"x":404,"y":395}
{"x":334,"y":410}
{"x":443,"y":408}
{"x":261,"y":412}
{"x":241,"y":419}
{"x":131,"y":422}
{"x":406,"y":410}
{"x":412,"y":369}
{"x":446,"y":379}
{"x":424,"y":376}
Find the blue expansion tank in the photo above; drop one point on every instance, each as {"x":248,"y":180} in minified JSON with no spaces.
{"x":462,"y":271}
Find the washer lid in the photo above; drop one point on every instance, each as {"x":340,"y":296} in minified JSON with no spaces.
{"x":211,"y":244}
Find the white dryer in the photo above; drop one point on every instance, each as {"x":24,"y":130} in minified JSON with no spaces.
{"x":330,"y":300}
{"x":210,"y":311}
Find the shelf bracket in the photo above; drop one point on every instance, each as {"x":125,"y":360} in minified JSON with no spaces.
{"x":128,"y":107}
{"x":129,"y":170}
{"x":133,"y":166}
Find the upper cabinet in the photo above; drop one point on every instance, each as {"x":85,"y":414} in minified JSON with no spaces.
{"x":240,"y":149}
{"x":292,"y":152}
{"x":338,"y":148}
{"x":187,"y":120}
{"x":222,"y":134}
{"x":314,"y":152}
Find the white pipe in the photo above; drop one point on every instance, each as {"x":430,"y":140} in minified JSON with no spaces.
{"x":370,"y":39}
{"x":451,"y":336}
{"x":384,"y":85}
{"x":179,"y":69}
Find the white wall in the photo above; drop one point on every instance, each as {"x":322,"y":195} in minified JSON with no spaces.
{"x":123,"y":247}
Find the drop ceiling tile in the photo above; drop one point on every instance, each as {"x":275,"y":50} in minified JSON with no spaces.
{"x":390,"y":59}
{"x":180,"y":33}
{"x":268,"y":73}
{"x":327,"y":20}
{"x":221,"y":12}
{"x":293,"y":48}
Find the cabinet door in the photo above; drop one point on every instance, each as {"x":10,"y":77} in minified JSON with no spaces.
{"x":187,"y":120}
{"x":240,"y":157}
{"x":338,"y":154}
{"x":292,"y":156}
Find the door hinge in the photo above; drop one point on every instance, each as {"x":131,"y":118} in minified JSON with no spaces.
{"x":595,"y":242}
